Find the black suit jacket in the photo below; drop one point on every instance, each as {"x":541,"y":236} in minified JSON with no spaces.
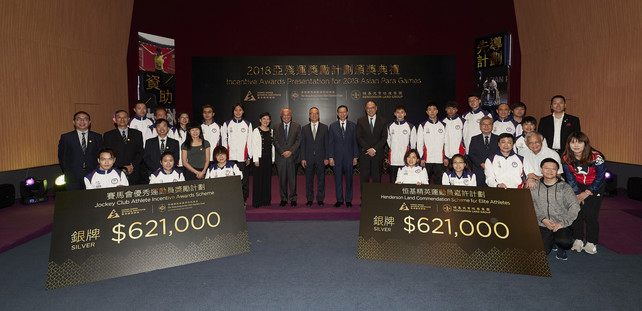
{"x":74,"y":163}
{"x":152,"y":153}
{"x":376,"y":139}
{"x":479,"y":152}
{"x":570,"y":124}
{"x":343,"y":146}
{"x":126,"y":153}
{"x":293,"y":143}
{"x":314,"y":149}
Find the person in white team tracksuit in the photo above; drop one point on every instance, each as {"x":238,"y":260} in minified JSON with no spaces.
{"x":105,"y":176}
{"x":412,"y":173}
{"x":236,"y":136}
{"x":402,"y":136}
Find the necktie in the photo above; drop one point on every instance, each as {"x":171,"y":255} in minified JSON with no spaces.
{"x":286,"y":131}
{"x":371,"y":125}
{"x":83,"y":143}
{"x":314,"y":131}
{"x":343,"y":130}
{"x":124,"y":137}
{"x":486,"y":141}
{"x":162,"y":149}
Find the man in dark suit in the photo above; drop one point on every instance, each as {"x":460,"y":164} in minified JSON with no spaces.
{"x":154,"y":147}
{"x":78,"y":151}
{"x":556,"y":127}
{"x":482,"y":146}
{"x":343,"y":153}
{"x":371,"y":136}
{"x":314,"y":156}
{"x":287,"y":141}
{"x":127,"y":145}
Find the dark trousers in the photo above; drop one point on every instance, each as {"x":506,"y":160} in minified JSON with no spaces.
{"x":588,"y":214}
{"x":394,"y":170}
{"x":262,"y":183}
{"x":311,"y":169}
{"x":370,"y":166}
{"x":343,"y":168}
{"x":287,"y":178}
{"x":562,"y":237}
{"x":245,"y":169}
{"x":436,"y":172}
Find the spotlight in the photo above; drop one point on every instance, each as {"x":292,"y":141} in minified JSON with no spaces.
{"x":610,"y":189}
{"x":59,"y":184}
{"x":33,"y":190}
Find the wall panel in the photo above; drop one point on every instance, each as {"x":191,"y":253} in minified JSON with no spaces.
{"x":55,"y":55}
{"x":590,"y":52}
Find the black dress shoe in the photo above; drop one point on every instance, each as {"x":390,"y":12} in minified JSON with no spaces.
{"x":338,"y":204}
{"x":349,"y":204}
{"x":320,"y":203}
{"x":292,"y":203}
{"x":309,"y":203}
{"x":283,"y":203}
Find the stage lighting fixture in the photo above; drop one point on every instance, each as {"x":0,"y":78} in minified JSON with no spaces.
{"x":59,"y":184}
{"x":33,"y":190}
{"x":610,"y":188}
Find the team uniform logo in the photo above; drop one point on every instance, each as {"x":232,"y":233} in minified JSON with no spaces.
{"x":214,"y":130}
{"x":405,"y":132}
{"x":457,"y":127}
{"x":514,"y":164}
{"x":243,"y":130}
{"x":417,"y":171}
{"x":114,"y":180}
{"x":440,"y":131}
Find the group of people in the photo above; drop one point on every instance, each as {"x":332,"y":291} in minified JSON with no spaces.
{"x":498,"y":148}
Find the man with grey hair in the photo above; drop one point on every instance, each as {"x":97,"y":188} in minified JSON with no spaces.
{"x":534,"y":155}
{"x":287,"y":140}
{"x":481,"y":147}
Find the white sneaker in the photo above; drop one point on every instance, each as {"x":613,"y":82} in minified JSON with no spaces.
{"x":577,"y":246}
{"x":590,"y":248}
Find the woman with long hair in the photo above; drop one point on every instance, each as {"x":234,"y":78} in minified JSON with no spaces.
{"x":195,"y":152}
{"x":584,"y":169}
{"x":181,"y":133}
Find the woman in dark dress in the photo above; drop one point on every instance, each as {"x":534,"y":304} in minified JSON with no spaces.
{"x":263,"y":158}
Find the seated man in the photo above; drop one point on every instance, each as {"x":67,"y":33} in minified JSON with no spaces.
{"x":556,"y":208}
{"x":536,"y":152}
{"x":505,"y":169}
{"x":105,"y":176}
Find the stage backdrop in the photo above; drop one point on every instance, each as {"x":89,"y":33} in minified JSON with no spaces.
{"x":269,"y":83}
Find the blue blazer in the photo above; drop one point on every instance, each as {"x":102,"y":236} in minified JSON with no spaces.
{"x":343,"y":147}
{"x":314,"y":149}
{"x":75,"y":165}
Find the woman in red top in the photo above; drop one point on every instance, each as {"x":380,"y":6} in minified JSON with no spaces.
{"x":584,"y":170}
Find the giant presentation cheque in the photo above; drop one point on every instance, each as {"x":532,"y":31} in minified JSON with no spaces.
{"x":106,"y":233}
{"x":462,"y":227}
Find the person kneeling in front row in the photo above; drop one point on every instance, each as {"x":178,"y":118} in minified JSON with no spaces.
{"x":222,"y":167}
{"x":556,"y":208}
{"x":168,"y":172}
{"x":412,"y":173}
{"x":105,"y":176}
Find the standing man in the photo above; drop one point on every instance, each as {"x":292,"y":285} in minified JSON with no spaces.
{"x":314,"y":156}
{"x":482,"y":146}
{"x":140,"y":121}
{"x":287,"y":140}
{"x":211,"y":130}
{"x":159,"y":113}
{"x":402,"y":136}
{"x":505,"y":123}
{"x":127,"y":145}
{"x":454,"y":140}
{"x":236,"y":134}
{"x":371,"y":136}
{"x":156,"y":146}
{"x":431,"y":136}
{"x":472,"y":120}
{"x":78,"y":151}
{"x":343,"y":153}
{"x":556,"y":127}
